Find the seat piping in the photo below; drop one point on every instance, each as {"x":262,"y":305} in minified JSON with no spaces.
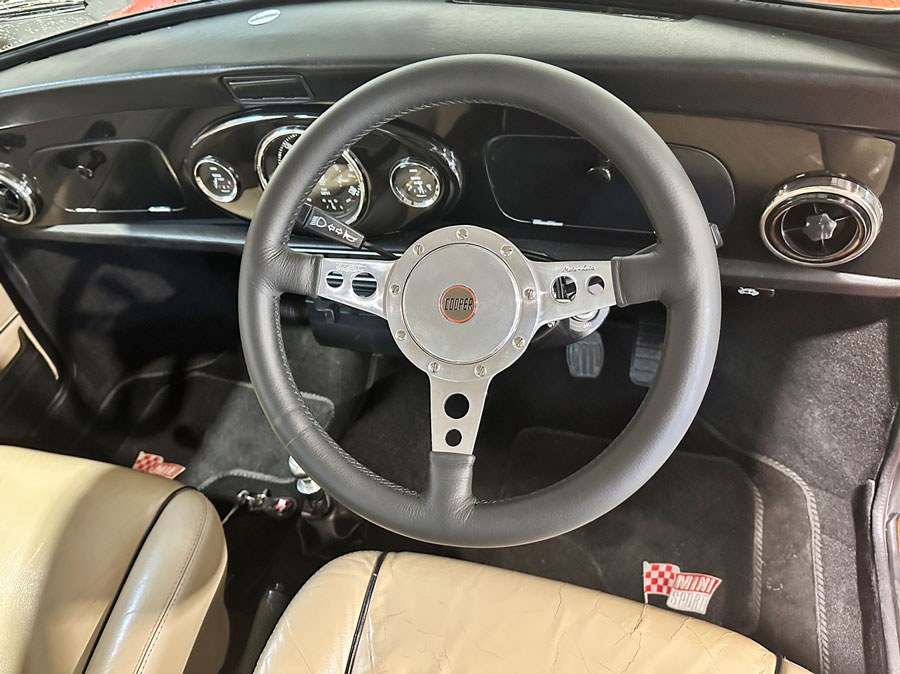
{"x":364,"y":612}
{"x":134,"y":557}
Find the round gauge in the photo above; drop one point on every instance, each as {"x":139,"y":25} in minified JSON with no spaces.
{"x":415,"y":183}
{"x":216,"y":179}
{"x":340,"y":192}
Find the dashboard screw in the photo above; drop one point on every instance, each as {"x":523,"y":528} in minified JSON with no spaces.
{"x":418,"y":249}
{"x":462,"y":233}
{"x":480,"y":371}
{"x":395,"y":289}
{"x":506,"y":251}
{"x":400,"y":335}
{"x":529,"y":293}
{"x":433,"y":367}
{"x":518,"y":342}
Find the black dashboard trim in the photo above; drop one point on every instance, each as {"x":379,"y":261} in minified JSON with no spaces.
{"x":229,"y":238}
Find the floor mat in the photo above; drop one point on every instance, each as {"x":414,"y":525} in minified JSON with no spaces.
{"x":218,"y":432}
{"x":698,"y":512}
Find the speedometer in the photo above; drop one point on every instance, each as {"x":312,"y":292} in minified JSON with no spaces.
{"x":340,"y":192}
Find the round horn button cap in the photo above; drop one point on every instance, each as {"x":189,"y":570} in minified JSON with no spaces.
{"x":460,"y":303}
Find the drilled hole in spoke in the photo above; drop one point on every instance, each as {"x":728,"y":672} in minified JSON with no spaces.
{"x":564,"y":288}
{"x":364,"y":285}
{"x":456,"y":406}
{"x":595,"y":285}
{"x":453,"y":438}
{"x":334,"y":279}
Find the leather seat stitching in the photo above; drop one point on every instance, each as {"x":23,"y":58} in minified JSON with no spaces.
{"x":183,"y":574}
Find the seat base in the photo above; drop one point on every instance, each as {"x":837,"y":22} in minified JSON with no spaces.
{"x":407,"y":612}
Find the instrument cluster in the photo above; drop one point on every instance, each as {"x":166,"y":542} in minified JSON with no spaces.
{"x":389,"y":179}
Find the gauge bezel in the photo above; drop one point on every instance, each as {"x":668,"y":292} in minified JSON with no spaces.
{"x":219,"y":198}
{"x":349,"y":158}
{"x":401,"y":196}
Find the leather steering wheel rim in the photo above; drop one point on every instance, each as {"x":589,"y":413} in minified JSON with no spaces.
{"x":681,"y":270}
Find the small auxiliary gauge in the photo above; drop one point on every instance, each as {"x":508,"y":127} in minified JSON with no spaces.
{"x":216,"y":179}
{"x":415,"y":183}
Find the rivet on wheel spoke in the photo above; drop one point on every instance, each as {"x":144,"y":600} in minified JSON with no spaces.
{"x":529,"y":293}
{"x":506,"y":251}
{"x":418,"y":249}
{"x":400,"y":335}
{"x":462,"y":233}
{"x":395,"y":289}
{"x":433,"y":367}
{"x":519,"y":342}
{"x":480,"y":371}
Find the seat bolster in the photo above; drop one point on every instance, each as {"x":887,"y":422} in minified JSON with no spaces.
{"x":315,"y":633}
{"x":169,"y":590}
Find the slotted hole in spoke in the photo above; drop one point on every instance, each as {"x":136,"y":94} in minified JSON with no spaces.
{"x":364,"y":285}
{"x":595,"y":285}
{"x":453,"y":438}
{"x":564,"y":289}
{"x":456,"y":406}
{"x":334,"y":279}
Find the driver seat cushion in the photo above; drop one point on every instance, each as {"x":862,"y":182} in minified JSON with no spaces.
{"x":106,"y":569}
{"x":420,"y":613}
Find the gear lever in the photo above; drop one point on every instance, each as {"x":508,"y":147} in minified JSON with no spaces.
{"x":324,"y":523}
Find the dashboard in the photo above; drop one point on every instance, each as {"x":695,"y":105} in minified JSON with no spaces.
{"x":801,"y":195}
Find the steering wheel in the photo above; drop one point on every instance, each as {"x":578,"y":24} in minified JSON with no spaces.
{"x":463,"y":304}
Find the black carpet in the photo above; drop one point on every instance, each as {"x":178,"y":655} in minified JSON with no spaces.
{"x":671,"y":520}
{"x":219,"y":433}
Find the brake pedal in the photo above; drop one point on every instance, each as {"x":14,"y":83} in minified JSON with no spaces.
{"x":585,"y":357}
{"x":647,"y":352}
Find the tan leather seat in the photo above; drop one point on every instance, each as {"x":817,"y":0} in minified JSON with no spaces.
{"x":105,"y":569}
{"x":431,"y":614}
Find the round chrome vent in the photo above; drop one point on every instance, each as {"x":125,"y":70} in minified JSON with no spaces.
{"x":18,"y":199}
{"x":821,"y":220}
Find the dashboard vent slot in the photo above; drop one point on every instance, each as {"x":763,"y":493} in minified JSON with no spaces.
{"x":263,"y":88}
{"x":18,"y":199}
{"x":821,"y":220}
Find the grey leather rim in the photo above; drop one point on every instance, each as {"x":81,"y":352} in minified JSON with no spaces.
{"x":681,"y":270}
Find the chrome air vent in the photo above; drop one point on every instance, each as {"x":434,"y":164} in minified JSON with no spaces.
{"x":821,"y":220}
{"x":18,"y":199}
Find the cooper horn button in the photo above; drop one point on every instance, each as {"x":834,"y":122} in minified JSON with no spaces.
{"x":460,"y":303}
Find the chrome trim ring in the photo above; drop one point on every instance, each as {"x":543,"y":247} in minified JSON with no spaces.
{"x":22,"y":187}
{"x":225,"y":168}
{"x":348,"y":157}
{"x":859,"y":201}
{"x":402,"y":197}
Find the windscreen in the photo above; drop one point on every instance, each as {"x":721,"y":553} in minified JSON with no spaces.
{"x":26,"y":21}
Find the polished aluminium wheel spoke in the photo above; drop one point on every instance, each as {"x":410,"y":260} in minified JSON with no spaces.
{"x":357,"y":283}
{"x":456,"y":408}
{"x":567,"y":289}
{"x":360,"y":284}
